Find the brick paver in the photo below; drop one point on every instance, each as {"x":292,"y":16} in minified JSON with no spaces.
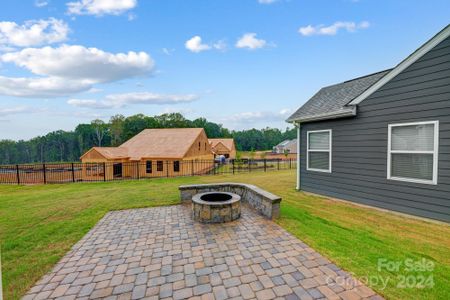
{"x":161,"y":253}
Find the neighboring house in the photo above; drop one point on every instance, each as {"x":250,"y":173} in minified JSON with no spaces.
{"x":152,"y":153}
{"x":223,"y":147}
{"x":383,"y":139}
{"x":289,"y":146}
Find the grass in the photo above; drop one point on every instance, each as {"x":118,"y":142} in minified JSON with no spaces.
{"x":39,"y":224}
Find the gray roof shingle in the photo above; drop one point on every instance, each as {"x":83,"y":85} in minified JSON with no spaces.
{"x":331,"y":101}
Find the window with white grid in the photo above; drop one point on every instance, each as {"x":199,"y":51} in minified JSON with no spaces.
{"x":413,"y":152}
{"x":319,"y":151}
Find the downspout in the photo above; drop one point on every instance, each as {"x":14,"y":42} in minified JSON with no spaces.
{"x":298,"y":156}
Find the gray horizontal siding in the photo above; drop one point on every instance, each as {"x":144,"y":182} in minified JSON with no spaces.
{"x":359,"y":158}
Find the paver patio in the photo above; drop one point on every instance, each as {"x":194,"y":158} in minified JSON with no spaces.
{"x":160,"y":253}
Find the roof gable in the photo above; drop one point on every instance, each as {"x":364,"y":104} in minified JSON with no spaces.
{"x":227,"y":143}
{"x":341,"y":100}
{"x":416,"y":55}
{"x":164,"y":143}
{"x":287,"y":143}
{"x":108,"y":152}
{"x":331,"y":101}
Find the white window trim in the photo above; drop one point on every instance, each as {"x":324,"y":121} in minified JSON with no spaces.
{"x":435,"y":153}
{"x":329,"y":150}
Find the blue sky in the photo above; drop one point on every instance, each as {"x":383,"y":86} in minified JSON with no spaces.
{"x":242,"y":63}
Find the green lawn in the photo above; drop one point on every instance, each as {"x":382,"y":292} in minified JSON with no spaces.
{"x":39,"y":224}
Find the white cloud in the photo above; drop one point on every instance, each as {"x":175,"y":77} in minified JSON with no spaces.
{"x":94,"y":90}
{"x":125,"y":99}
{"x":87,"y":103}
{"x":168,"y":51}
{"x":33,"y":32}
{"x":70,"y":69}
{"x":195,"y":45}
{"x":249,"y":117}
{"x":14,"y":110}
{"x":6,"y":112}
{"x":88,"y":65}
{"x":249,"y":41}
{"x":41,"y":3}
{"x":40,"y":87}
{"x":220,"y":45}
{"x":100,"y":7}
{"x":332,"y":29}
{"x":7,"y":49}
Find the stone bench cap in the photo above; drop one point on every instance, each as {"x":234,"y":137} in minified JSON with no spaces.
{"x":273,"y":198}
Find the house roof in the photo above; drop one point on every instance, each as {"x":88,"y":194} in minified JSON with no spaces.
{"x":163,"y":143}
{"x":226,"y":142}
{"x":286,"y":143}
{"x":283,"y":143}
{"x":331,"y":101}
{"x":340,"y":100}
{"x":110,"y":152}
{"x":153,"y":143}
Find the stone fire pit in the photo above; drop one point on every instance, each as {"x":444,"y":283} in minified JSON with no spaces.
{"x":216,"y":207}
{"x":263,"y":202}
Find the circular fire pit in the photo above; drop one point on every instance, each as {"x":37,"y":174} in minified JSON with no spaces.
{"x":216,"y":207}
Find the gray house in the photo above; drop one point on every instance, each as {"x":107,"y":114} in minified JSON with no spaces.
{"x":383,"y":139}
{"x":289,"y":146}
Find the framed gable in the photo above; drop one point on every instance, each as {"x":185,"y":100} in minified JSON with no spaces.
{"x":93,"y":154}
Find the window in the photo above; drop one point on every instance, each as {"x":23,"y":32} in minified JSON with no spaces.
{"x":413,"y":152}
{"x":176,"y":166}
{"x":319,"y":151}
{"x":199,"y":146}
{"x":148,"y":167}
{"x":159,"y":166}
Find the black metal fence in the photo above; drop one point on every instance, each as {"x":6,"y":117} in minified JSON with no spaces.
{"x":108,"y":171}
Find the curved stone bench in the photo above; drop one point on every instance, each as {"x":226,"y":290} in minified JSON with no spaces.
{"x":267,"y":204}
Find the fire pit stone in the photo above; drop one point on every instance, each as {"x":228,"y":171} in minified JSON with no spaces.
{"x":216,"y":207}
{"x":263,"y":202}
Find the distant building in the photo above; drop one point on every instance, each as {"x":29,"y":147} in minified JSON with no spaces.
{"x":223,"y":147}
{"x":289,"y":146}
{"x":152,"y":153}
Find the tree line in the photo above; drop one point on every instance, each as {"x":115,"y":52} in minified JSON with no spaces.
{"x":68,"y":146}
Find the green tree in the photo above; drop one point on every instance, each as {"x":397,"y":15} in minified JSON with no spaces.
{"x":116,"y":128}
{"x":133,"y":125}
{"x":70,"y":145}
{"x":100,"y":129}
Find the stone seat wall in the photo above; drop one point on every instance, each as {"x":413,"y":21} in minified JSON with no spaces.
{"x":265,"y":203}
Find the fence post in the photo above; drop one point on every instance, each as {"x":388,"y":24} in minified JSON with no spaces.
{"x":45,"y":173}
{"x":137,"y":170}
{"x":265,"y":164}
{"x":167,"y":168}
{"x":214,"y":167}
{"x":233,"y":165}
{"x":18,"y":174}
{"x":278,"y":164}
{"x":192,"y":167}
{"x":104,"y":171}
{"x":73,"y":173}
{"x":290,"y":163}
{"x":249,"y":166}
